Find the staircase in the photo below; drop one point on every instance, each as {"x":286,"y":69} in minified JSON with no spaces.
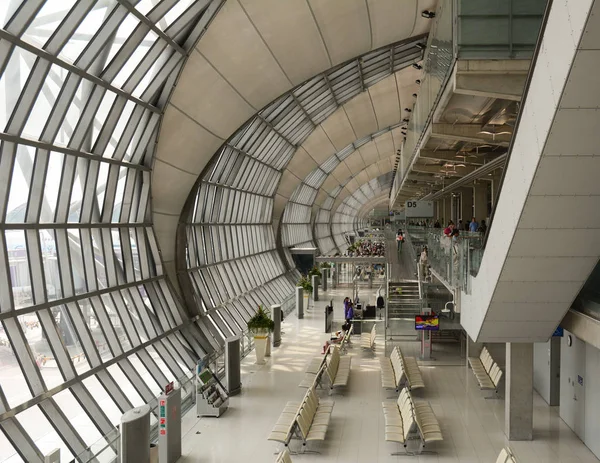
{"x":403,"y":299}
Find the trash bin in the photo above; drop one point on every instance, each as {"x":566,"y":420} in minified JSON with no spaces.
{"x":153,"y":453}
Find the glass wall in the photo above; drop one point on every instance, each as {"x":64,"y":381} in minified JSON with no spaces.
{"x":89,"y":326}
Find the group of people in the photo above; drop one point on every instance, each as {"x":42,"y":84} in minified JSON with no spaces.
{"x":453,"y":231}
{"x":367,"y":248}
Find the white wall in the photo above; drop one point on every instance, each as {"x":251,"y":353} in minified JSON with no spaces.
{"x":572,"y":394}
{"x":541,"y":369}
{"x":592,"y":399}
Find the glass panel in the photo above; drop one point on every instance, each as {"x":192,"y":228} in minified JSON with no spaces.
{"x":70,"y":338}
{"x":20,"y":183}
{"x":125,"y":385}
{"x":77,"y":416}
{"x":96,"y":329}
{"x":103,"y":399}
{"x":40,"y":349}
{"x":38,"y":427}
{"x":18,"y":263}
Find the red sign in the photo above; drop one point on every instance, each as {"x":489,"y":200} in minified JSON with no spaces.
{"x":169,"y":388}
{"x":163,"y":432}
{"x":163,"y":403}
{"x":163,"y":421}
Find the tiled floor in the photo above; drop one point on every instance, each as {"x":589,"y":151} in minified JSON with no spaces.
{"x":472,"y":426}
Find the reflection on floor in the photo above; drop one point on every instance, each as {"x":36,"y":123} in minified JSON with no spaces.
{"x":472,"y":426}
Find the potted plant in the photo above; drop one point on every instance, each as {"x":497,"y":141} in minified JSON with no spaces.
{"x":261,"y":325}
{"x":306,"y":285}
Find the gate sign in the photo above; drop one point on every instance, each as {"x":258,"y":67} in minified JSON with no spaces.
{"x":420,"y":209}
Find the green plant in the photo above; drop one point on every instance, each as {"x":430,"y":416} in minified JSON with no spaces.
{"x":325,"y":265}
{"x":306,"y":285}
{"x":314,"y":271}
{"x":261,"y":321}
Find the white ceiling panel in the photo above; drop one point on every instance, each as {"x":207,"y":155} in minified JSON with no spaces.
{"x":583,"y":122}
{"x":352,"y":186}
{"x":369,"y":153}
{"x":388,"y":17}
{"x":373,"y":171}
{"x":290,"y":31}
{"x":185,"y":144}
{"x":338,"y":129}
{"x":556,"y":242}
{"x":547,"y":268}
{"x":547,"y":291}
{"x":318,"y":145}
{"x":591,"y":36}
{"x":525,"y":311}
{"x":165,"y":227}
{"x":288,"y":184}
{"x":361,"y":178}
{"x":581,"y":91}
{"x":422,"y":25}
{"x":345,"y":27}
{"x":341,"y":172}
{"x":301,"y":163}
{"x":221,"y":110}
{"x":234,"y":47}
{"x":384,"y":96}
{"x":330,"y":183}
{"x":578,"y":176}
{"x":170,"y":188}
{"x":385,"y":145}
{"x":560,"y":212}
{"x":361,"y":114}
{"x":355,"y":162}
{"x":517,"y":331}
{"x":279,"y":204}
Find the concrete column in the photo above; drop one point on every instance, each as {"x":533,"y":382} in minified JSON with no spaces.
{"x":276,"y":316}
{"x":447,"y":210}
{"x":325,"y":273}
{"x":466,"y":204}
{"x":480,"y":199}
{"x":300,"y":301}
{"x":315,"y":285}
{"x":335,"y":277}
{"x":518,"y":416}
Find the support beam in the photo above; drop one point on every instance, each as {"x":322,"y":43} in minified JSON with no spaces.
{"x":504,"y":79}
{"x":472,"y":133}
{"x":480,"y":199}
{"x":453,"y":156}
{"x":458,"y":172}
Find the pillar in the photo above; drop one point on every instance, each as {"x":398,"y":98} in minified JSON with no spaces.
{"x":447,"y":208}
{"x":325,"y":272}
{"x":334,"y":276}
{"x":518,"y":416}
{"x":134,"y":445}
{"x":276,"y":316}
{"x":169,"y":426}
{"x":300,"y":301}
{"x":466,"y":204}
{"x":480,"y":200}
{"x":233,"y":359}
{"x":315,"y":285}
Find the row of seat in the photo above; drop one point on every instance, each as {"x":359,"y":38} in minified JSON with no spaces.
{"x":367,"y":340}
{"x":332,"y":366}
{"x":410,"y":423}
{"x":398,"y":371}
{"x":487,"y":372}
{"x":308,"y":420}
{"x":506,"y":457}
{"x":284,"y":457}
{"x":346,"y":339}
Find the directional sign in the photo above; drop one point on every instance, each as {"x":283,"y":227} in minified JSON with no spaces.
{"x":418,"y":209}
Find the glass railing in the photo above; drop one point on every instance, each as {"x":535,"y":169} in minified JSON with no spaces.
{"x":454,"y":261}
{"x":437,"y":63}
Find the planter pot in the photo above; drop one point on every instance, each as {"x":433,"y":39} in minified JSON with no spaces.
{"x":260,"y":347}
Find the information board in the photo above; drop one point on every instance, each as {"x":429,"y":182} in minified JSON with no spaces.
{"x":418,"y":209}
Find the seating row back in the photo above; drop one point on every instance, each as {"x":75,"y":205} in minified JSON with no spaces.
{"x":506,"y":456}
{"x":367,"y":340}
{"x":308,"y":420}
{"x":398,"y":371}
{"x":338,"y":369}
{"x":410,"y":423}
{"x":284,"y":457}
{"x":487,"y":372}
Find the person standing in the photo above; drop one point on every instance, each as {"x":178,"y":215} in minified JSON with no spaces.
{"x":482,"y":228}
{"x":473,"y":226}
{"x":424,"y":263}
